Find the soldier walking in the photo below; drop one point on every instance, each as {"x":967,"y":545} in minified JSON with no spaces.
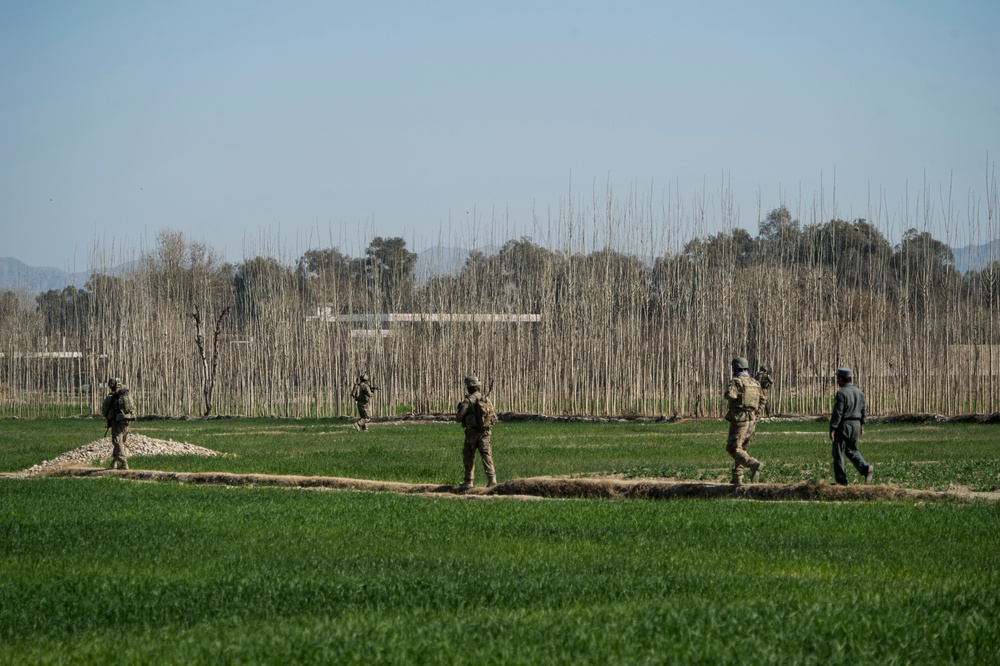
{"x":765,"y":380}
{"x":362,"y":394}
{"x":477,"y":415}
{"x":119,"y":411}
{"x":847,"y":424}
{"x":743,"y":395}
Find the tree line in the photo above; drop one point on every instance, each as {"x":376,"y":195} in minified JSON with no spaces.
{"x":623,"y":328}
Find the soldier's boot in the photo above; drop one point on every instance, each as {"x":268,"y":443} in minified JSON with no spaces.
{"x":357,"y":427}
{"x":113,"y":463}
{"x":869,"y":474}
{"x":465,"y":485}
{"x":491,"y":481}
{"x":737,"y":479}
{"x":755,"y":468}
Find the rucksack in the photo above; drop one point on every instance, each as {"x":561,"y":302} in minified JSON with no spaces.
{"x":486,"y":413}
{"x":749,"y":399}
{"x":125,"y":404}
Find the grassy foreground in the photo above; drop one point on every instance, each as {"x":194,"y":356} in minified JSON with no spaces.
{"x":106,"y":571}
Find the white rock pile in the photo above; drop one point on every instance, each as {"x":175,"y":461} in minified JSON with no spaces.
{"x":100,"y":449}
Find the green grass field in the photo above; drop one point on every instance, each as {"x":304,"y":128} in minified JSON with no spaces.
{"x":935,"y":456}
{"x":107,"y":571}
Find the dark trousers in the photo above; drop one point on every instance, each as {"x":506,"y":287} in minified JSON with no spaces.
{"x":845,"y":442}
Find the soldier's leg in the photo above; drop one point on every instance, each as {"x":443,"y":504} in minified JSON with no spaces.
{"x":365,"y":415}
{"x":116,"y":448}
{"x":755,"y":465}
{"x":119,"y":434}
{"x":751,"y":430}
{"x":839,"y":473}
{"x":735,"y":446}
{"x":852,"y":452}
{"x":469,"y":456}
{"x":125,"y":446}
{"x":486,"y":453}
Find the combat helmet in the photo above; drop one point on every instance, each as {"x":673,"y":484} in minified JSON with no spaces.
{"x":472,"y":382}
{"x":114,"y":383}
{"x":363,"y":377}
{"x":740,"y":363}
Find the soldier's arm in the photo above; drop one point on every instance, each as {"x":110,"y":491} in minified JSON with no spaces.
{"x":463,"y":409}
{"x":732,"y":391}
{"x":839,"y":405}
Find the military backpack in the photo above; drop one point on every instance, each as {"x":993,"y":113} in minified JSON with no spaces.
{"x":749,"y":398}
{"x":125,"y":404}
{"x":486,"y":413}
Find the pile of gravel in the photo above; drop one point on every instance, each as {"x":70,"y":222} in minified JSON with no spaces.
{"x":137,"y":445}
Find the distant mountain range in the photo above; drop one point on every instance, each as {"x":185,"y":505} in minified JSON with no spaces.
{"x":18,"y":276}
{"x":439,"y":260}
{"x":976,"y":257}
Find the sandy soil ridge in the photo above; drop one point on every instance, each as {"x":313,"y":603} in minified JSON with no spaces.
{"x":549,"y":488}
{"x":79,"y":463}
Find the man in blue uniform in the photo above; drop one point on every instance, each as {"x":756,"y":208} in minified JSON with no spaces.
{"x":847,"y":424}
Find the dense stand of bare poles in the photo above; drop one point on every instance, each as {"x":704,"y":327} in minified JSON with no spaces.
{"x":633,"y":318}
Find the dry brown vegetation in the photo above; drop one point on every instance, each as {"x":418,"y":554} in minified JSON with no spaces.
{"x":635,"y":319}
{"x":548,"y":488}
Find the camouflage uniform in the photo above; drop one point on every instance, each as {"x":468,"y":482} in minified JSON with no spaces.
{"x":119,"y":418}
{"x":742,"y":423}
{"x":847,"y":423}
{"x":476,"y":438}
{"x":765,"y":380}
{"x":362,"y":395}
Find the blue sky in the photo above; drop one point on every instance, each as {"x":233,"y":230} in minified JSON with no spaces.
{"x":319,"y":123}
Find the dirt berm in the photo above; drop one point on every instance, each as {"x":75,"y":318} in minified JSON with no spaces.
{"x":549,"y":488}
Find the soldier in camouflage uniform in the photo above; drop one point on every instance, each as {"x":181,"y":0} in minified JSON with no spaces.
{"x":476,"y":438}
{"x":362,"y":394}
{"x":847,"y":424}
{"x":743,"y":395}
{"x":763,"y":378}
{"x":118,"y":410}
